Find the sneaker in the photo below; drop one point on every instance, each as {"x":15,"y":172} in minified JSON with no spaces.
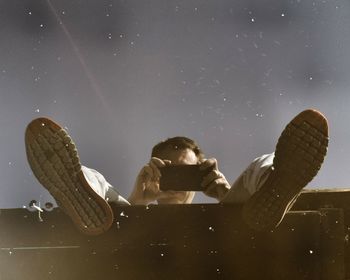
{"x":299,"y":154}
{"x":54,"y":160}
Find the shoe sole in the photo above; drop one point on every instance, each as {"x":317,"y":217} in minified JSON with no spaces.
{"x":54,"y":160}
{"x":299,"y":154}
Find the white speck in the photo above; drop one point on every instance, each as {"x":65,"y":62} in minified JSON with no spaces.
{"x":110,"y":36}
{"x":63,"y":12}
{"x":121,"y":35}
{"x":162,"y":255}
{"x":282,"y":15}
{"x":37,"y":111}
{"x":131,"y":43}
{"x":107,"y":15}
{"x":138,"y":35}
{"x":211,"y":228}
{"x":252,"y":20}
{"x":41,"y":25}
{"x":122,"y":214}
{"x":311,"y":252}
{"x":30,"y":13}
{"x":10,"y":163}
{"x":310,"y":78}
{"x":196,"y":9}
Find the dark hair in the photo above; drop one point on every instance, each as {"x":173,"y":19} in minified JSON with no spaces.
{"x":177,"y":143}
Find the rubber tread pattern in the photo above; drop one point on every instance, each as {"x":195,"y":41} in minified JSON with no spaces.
{"x":299,"y":154}
{"x":54,"y":160}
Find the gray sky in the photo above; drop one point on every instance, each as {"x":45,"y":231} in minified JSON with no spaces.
{"x":124,"y":75}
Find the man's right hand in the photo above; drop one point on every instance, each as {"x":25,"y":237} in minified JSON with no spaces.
{"x":146,"y":189}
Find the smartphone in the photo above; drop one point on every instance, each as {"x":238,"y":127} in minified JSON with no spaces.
{"x":181,"y":177}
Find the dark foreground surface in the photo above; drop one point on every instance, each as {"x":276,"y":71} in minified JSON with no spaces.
{"x":202,"y":241}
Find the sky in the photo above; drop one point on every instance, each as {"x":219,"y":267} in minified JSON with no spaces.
{"x":121,"y":76}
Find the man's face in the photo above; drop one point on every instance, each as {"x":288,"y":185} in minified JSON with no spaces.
{"x":182,"y":156}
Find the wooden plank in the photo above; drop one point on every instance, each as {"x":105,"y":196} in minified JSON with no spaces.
{"x":330,"y":198}
{"x":207,"y":241}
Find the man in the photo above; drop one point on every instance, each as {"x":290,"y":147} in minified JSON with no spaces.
{"x":268,"y":187}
